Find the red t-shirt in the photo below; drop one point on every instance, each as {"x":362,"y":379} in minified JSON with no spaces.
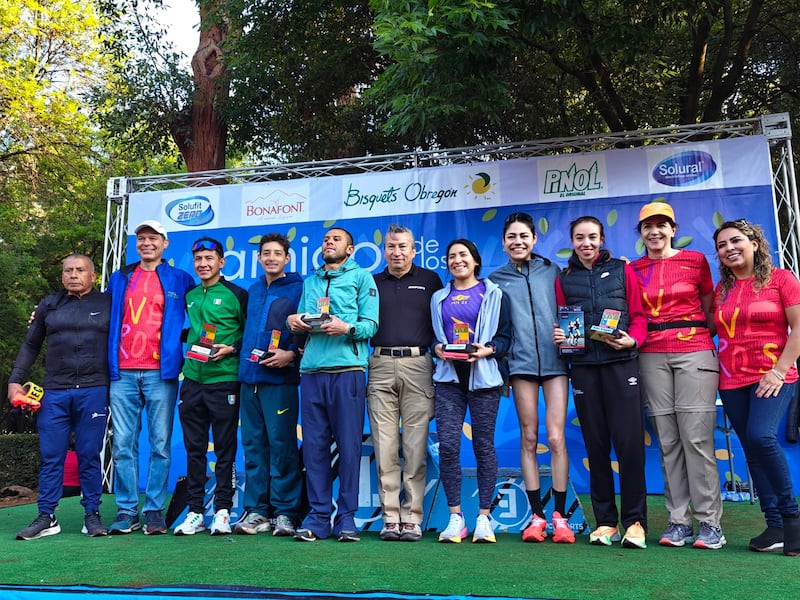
{"x":140,"y":342}
{"x":753,"y":329}
{"x":671,"y":289}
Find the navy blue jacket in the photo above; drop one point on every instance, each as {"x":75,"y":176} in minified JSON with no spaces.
{"x":268,"y":308}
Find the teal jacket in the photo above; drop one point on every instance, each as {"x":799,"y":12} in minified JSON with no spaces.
{"x":354,"y":299}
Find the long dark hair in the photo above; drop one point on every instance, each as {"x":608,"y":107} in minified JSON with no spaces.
{"x":762,"y":259}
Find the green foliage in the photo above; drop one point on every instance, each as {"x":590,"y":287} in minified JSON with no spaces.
{"x":19,"y":460}
{"x":145,"y":103}
{"x":469,"y":71}
{"x":51,"y":178}
{"x":298,"y":71}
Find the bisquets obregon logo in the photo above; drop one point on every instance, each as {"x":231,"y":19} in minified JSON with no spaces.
{"x":480,"y":187}
{"x":572,"y":182}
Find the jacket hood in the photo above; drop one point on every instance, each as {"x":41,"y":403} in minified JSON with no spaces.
{"x":347,"y":265}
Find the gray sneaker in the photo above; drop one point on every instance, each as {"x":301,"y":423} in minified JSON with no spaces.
{"x":252,"y":523}
{"x":709,"y":537}
{"x":677,"y":535}
{"x":284,"y":527}
{"x":42,"y":526}
{"x":93,"y":525}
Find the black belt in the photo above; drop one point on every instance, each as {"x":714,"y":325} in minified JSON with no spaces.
{"x":675,"y":325}
{"x":402,"y":351}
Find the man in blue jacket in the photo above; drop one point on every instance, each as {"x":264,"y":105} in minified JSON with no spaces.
{"x":268,"y":372}
{"x":339,"y":312}
{"x":145,"y":357}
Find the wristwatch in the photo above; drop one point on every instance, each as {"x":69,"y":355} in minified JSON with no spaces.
{"x":492,"y":346}
{"x":352,"y":331}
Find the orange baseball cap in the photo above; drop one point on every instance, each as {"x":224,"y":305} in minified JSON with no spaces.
{"x":656,"y":209}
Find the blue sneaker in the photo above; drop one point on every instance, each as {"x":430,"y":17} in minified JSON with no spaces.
{"x":677,"y":535}
{"x":709,"y":537}
{"x":124,"y":523}
{"x":154,"y":523}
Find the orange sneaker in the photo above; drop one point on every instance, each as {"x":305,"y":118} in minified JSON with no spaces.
{"x":562,"y":533}
{"x":634,"y":536}
{"x":604,"y":536}
{"x":536,"y":530}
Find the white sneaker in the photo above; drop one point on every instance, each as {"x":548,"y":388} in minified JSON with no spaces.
{"x":484,"y":533}
{"x":455,"y":531}
{"x":221,"y":525}
{"x":192,"y":524}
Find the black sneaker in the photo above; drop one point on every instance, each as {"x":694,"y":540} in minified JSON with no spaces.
{"x":154,"y":523}
{"x":771,"y":539}
{"x":93,"y":525}
{"x":348,"y":535}
{"x":42,"y":526}
{"x":305,"y":535}
{"x":791,"y":536}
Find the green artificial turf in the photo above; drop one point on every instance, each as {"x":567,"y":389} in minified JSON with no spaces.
{"x":508,"y":568}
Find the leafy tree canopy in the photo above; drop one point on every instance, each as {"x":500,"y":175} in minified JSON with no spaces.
{"x":51,"y":195}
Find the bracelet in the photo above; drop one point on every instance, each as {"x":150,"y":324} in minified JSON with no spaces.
{"x":778,"y":375}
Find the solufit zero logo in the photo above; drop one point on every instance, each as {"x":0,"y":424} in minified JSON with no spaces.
{"x":686,"y":168}
{"x":572,"y":181}
{"x":190,"y":212}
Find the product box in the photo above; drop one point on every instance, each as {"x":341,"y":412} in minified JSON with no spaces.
{"x":571,"y":320}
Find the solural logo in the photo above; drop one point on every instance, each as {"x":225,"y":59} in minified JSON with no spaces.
{"x":191,"y":212}
{"x":687,"y":168}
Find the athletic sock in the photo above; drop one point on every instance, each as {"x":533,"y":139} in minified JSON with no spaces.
{"x":535,"y":499}
{"x":560,"y":501}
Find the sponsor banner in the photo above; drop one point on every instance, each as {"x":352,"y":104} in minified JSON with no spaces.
{"x":740,"y":186}
{"x":613,"y":175}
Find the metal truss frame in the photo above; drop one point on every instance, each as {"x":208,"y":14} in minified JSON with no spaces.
{"x":776,"y":127}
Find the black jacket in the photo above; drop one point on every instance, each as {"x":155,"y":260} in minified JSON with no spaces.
{"x":596,"y":289}
{"x":76,"y":330}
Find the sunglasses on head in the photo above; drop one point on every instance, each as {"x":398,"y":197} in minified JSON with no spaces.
{"x":207,"y":245}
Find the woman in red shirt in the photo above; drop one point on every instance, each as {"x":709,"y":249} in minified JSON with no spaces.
{"x":755,"y":307}
{"x":680,"y":374}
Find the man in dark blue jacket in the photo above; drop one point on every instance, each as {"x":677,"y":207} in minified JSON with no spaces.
{"x":74,"y":322}
{"x":268,"y":371}
{"x":145,"y":357}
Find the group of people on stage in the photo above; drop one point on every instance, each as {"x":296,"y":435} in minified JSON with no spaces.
{"x":352,"y":340}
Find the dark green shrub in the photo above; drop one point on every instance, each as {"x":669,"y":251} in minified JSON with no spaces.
{"x":19,"y":460}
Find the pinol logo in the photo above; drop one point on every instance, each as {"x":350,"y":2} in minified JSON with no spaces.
{"x":191,"y":212}
{"x":686,"y":168}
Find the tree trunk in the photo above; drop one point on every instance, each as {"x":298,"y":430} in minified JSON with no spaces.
{"x":202,"y":135}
